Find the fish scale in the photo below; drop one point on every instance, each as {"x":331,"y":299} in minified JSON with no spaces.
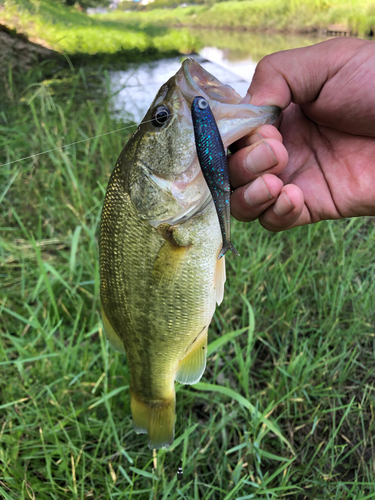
{"x":214,"y":165}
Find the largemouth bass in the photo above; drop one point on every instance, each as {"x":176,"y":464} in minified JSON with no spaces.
{"x":159,"y":245}
{"x":213,"y":161}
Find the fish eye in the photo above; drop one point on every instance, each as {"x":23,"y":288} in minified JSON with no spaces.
{"x":202,"y":103}
{"x":161,"y":116}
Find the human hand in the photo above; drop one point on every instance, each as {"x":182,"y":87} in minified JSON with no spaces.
{"x":320,"y":164}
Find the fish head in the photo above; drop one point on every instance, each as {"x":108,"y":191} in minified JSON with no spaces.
{"x":166,"y":184}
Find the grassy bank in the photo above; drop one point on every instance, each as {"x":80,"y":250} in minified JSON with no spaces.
{"x":260,"y":15}
{"x":72,"y":32}
{"x":151,"y":34}
{"x":285,"y":408}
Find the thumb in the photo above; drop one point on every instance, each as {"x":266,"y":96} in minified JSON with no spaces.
{"x":298,"y":75}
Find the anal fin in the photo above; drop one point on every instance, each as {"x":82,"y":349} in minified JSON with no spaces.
{"x":112,"y":336}
{"x":192,"y":366}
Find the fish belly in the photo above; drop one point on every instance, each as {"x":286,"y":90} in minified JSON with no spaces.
{"x":158,"y":297}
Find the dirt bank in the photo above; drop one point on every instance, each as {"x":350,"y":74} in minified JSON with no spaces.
{"x":19,"y":53}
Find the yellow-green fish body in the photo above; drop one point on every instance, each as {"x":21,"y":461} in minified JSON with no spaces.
{"x":159,"y":244}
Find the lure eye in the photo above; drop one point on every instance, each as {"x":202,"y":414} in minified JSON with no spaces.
{"x":202,"y":103}
{"x":161,"y":116}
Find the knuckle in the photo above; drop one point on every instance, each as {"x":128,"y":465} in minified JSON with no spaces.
{"x":267,"y":63}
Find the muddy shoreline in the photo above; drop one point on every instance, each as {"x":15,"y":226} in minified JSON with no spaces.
{"x":19,"y":54}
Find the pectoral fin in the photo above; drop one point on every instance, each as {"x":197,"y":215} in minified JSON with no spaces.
{"x":169,"y":261}
{"x":192,"y":366}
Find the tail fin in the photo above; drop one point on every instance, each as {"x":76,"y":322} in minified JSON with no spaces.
{"x":155,"y":419}
{"x":227,"y":245}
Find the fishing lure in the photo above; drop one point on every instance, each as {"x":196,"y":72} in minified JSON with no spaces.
{"x":214,"y":165}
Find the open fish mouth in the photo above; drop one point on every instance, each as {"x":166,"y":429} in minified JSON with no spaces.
{"x":198,"y":81}
{"x":234,"y":120}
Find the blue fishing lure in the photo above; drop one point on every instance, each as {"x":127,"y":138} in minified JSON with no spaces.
{"x":214,"y":165}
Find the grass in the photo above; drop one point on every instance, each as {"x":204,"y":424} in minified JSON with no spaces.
{"x":236,"y":45}
{"x":261,"y":15}
{"x":72,"y":32}
{"x":135,"y":36}
{"x":286,"y":405}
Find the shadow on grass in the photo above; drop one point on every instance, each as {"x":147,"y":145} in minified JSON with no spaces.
{"x":119,"y":59}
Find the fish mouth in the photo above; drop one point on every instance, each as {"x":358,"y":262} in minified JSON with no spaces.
{"x":234,"y":118}
{"x":198,"y":81}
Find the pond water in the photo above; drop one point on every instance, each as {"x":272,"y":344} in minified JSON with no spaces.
{"x":230,"y":56}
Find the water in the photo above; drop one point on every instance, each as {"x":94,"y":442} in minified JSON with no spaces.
{"x":230,"y":56}
{"x":135,"y":88}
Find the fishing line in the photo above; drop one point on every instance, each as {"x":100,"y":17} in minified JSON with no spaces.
{"x":72,"y":144}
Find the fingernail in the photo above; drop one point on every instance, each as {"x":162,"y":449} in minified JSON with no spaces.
{"x":283,"y":205}
{"x":257,"y":193}
{"x":260,"y":158}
